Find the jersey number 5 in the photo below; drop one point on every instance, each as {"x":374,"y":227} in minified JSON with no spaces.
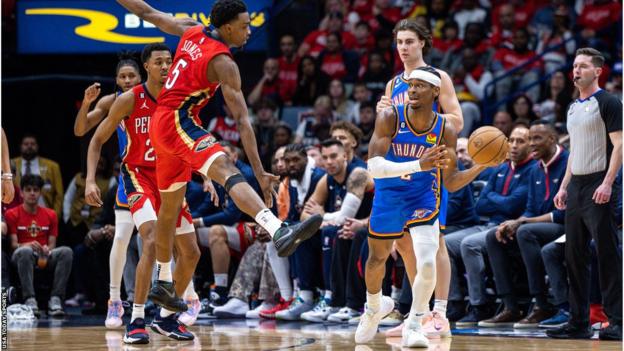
{"x":175,"y":74}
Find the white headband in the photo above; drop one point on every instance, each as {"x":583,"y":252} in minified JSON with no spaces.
{"x":425,"y":76}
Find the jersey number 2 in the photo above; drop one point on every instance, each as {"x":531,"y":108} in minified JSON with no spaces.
{"x":149,"y":154}
{"x":175,"y":74}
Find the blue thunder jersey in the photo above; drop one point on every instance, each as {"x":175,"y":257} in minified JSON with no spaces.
{"x":399,"y":97}
{"x":413,"y":199}
{"x":121,"y":201}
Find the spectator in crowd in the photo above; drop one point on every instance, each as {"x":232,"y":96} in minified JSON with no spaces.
{"x":470,"y":81}
{"x":264,"y":129}
{"x":503,"y":198}
{"x":303,"y":176}
{"x":33,"y":231}
{"x":367,"y":126}
{"x":312,"y":82}
{"x":224,"y":126}
{"x":506,"y":59}
{"x":342,"y":106}
{"x":521,"y":110}
{"x":504,"y":26}
{"x":438,"y":14}
{"x":361,"y":94}
{"x":337,"y":62}
{"x":523,"y":12}
{"x":540,"y":224}
{"x":78,"y":215}
{"x":287,"y":67}
{"x":385,"y":15}
{"x":316,"y":40}
{"x":448,"y":42}
{"x":31,"y":163}
{"x":475,"y":39}
{"x":364,"y":40}
{"x":268,"y":86}
{"x":282,"y":136}
{"x":469,"y":12}
{"x":344,"y":192}
{"x":224,"y":232}
{"x":598,"y":21}
{"x":544,"y":17}
{"x":376,"y":75}
{"x":314,"y":152}
{"x":314,"y":125}
{"x":349,"y":135}
{"x":556,"y":43}
{"x":504,"y":122}
{"x":557,"y":97}
{"x":614,"y":85}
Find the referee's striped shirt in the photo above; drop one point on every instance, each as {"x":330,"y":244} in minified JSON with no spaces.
{"x":589,"y":123}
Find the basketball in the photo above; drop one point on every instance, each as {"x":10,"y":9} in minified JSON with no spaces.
{"x":486,"y":144}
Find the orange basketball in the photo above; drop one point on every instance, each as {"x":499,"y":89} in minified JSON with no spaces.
{"x":487,"y":144}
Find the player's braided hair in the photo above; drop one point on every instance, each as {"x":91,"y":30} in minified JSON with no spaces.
{"x":127,"y":58}
{"x":224,"y":11}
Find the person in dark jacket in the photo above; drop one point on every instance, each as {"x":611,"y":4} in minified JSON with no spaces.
{"x":524,"y":236}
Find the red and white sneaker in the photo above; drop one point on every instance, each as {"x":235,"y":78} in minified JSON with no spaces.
{"x":436,"y":326}
{"x":281,"y":306}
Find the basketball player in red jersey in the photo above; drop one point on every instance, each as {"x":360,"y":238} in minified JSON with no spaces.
{"x":202,"y":64}
{"x":134,"y":109}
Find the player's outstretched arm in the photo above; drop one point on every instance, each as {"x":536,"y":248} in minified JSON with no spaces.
{"x":85,"y":119}
{"x":164,"y":21}
{"x":226,"y":71}
{"x":379,"y":167}
{"x":453,"y":178}
{"x":121,"y":108}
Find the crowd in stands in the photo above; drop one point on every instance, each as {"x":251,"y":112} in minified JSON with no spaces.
{"x":510,"y":63}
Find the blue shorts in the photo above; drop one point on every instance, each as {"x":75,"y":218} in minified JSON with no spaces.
{"x":393,"y":212}
{"x":121,"y":200}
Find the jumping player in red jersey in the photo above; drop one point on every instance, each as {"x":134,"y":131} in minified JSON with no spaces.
{"x":202,"y":64}
{"x":134,"y":109}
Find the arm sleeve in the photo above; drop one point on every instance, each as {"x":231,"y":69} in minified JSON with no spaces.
{"x":349,"y":209}
{"x":379,"y":167}
{"x":611,"y":112}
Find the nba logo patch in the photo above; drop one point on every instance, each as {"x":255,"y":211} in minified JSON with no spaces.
{"x":432,"y":138}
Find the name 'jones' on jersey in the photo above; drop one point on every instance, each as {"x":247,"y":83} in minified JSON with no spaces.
{"x":139,"y":151}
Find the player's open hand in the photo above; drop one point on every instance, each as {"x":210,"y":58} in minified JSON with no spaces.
{"x":268,"y":183}
{"x":92,"y":195}
{"x":435,"y":157}
{"x":209,"y":188}
{"x":91,"y":93}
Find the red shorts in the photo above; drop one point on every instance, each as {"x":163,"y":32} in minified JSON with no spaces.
{"x":144,"y":199}
{"x":182,"y":147}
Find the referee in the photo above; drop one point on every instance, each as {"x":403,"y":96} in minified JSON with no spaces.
{"x":595,"y":127}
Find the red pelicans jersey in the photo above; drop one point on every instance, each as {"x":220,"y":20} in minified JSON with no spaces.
{"x":187,"y":87}
{"x":139,"y":151}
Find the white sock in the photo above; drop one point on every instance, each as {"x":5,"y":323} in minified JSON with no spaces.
{"x":281,"y":271}
{"x":414,"y":321}
{"x":307,"y":296}
{"x":164,"y":271}
{"x":189,"y":293}
{"x":396,"y":293}
{"x":164,"y":313}
{"x":328,"y":295}
{"x":440,"y":307}
{"x":268,"y":221}
{"x":117,"y":259}
{"x":221,"y":279}
{"x":138,"y":311}
{"x":373,"y":301}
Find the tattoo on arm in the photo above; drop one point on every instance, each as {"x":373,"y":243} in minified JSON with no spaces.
{"x":356,"y":183}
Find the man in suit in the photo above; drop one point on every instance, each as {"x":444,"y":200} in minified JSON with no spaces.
{"x":31,"y":163}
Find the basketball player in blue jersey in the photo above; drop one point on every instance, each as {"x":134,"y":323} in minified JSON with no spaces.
{"x":411,"y":152}
{"x":127,"y":76}
{"x":413,"y":40}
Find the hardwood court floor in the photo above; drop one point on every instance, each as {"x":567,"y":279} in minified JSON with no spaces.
{"x":269,"y":335}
